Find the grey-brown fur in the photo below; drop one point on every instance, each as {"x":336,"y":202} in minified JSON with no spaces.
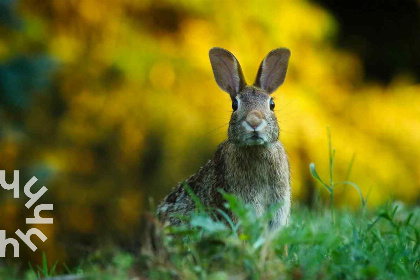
{"x":251,"y":163}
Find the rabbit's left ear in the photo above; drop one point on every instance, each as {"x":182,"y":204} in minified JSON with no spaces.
{"x":272,"y":71}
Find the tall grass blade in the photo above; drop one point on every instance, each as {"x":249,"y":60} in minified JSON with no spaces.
{"x":353,"y":158}
{"x":362,"y":200}
{"x":316,"y":176}
{"x":199,"y":205}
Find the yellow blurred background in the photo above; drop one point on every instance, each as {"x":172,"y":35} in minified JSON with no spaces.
{"x":110,"y":103}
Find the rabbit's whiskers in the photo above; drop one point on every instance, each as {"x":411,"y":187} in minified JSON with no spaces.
{"x":213,"y":130}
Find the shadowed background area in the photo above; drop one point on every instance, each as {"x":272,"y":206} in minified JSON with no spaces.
{"x":110,"y":103}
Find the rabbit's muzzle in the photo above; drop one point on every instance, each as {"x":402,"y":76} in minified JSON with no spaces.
{"x":254,"y":125}
{"x":254,"y":119}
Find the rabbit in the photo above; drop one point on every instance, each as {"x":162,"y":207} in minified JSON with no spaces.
{"x":252,"y":163}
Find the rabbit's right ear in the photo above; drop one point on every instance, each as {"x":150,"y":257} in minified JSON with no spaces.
{"x":272,"y":71}
{"x":227,"y":71}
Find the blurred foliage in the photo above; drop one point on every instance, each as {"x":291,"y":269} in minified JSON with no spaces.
{"x":111,"y":102}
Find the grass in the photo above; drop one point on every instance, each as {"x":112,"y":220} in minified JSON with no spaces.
{"x":382,"y":244}
{"x":45,"y":270}
{"x":321,"y":244}
{"x":330,"y":187}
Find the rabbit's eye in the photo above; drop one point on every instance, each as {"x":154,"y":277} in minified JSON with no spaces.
{"x":272,"y":105}
{"x":235,"y":105}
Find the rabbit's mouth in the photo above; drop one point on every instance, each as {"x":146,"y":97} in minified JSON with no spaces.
{"x":255,"y":139}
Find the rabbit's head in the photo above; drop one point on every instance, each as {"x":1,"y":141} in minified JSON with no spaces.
{"x":253,"y":121}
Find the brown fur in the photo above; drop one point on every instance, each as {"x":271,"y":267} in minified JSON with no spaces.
{"x":251,"y":164}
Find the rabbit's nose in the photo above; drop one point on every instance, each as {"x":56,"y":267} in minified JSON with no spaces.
{"x":254,"y":118}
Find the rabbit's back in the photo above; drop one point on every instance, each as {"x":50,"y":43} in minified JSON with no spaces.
{"x":180,"y":203}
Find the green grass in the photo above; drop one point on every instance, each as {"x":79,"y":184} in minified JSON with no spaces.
{"x":45,"y":271}
{"x":328,"y":243}
{"x":381,"y":244}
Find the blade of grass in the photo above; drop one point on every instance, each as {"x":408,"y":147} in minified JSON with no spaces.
{"x":316,"y":176}
{"x":194,"y":197}
{"x":356,"y":187}
{"x":353,"y":158}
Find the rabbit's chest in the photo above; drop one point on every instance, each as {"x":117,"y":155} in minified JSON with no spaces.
{"x":260,"y":181}
{"x":259,"y":175}
{"x":261,"y":193}
{"x":261,"y":199}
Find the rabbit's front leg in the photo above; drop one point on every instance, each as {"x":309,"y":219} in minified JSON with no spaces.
{"x":281,"y":217}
